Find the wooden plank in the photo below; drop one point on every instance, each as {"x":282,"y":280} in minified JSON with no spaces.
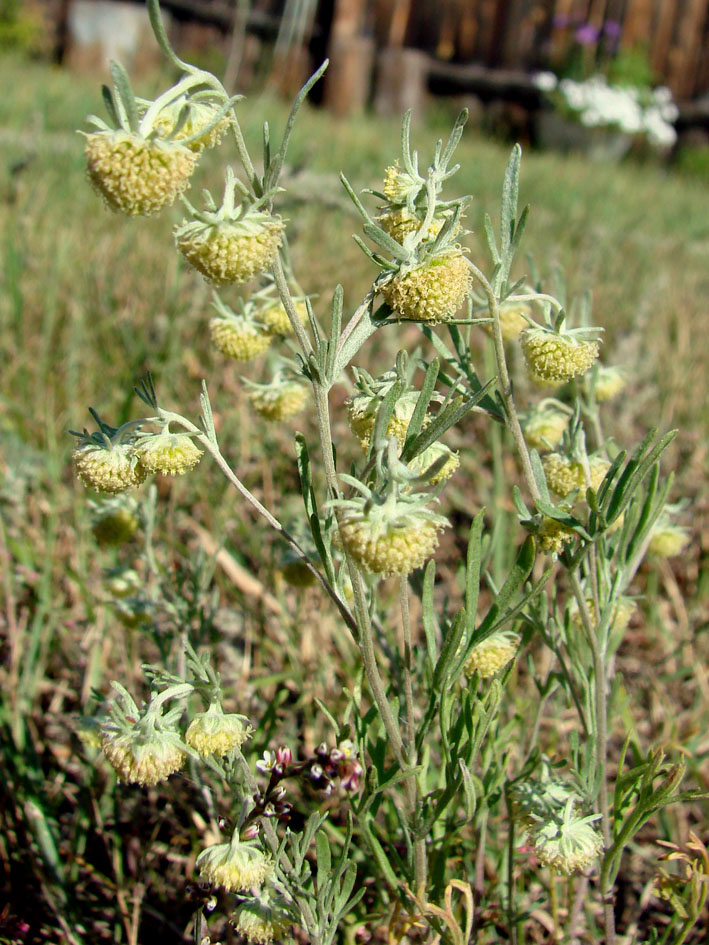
{"x":685,"y":55}
{"x":662,"y":35}
{"x":637,"y":24}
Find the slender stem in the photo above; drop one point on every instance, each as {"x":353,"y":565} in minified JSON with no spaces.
{"x":511,"y":923}
{"x":505,"y":384}
{"x":601,"y":740}
{"x":408,"y":668}
{"x":213,"y":448}
{"x":363,"y":631}
{"x":480,"y":855}
{"x":412,"y":790}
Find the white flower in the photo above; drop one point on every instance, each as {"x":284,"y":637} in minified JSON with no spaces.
{"x":545,"y":81}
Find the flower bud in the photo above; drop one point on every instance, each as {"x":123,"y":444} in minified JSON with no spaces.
{"x":168,"y":454}
{"x":279,"y":400}
{"x":494,"y":653}
{"x":135,"y":175}
{"x":262,"y":919}
{"x":237,"y":866}
{"x":557,"y":357}
{"x":110,"y":468}
{"x":215,"y":733}
{"x":399,"y":185}
{"x":237,"y":338}
{"x":431,"y":292}
{"x":275,"y":317}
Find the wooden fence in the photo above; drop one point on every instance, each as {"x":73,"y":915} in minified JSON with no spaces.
{"x":534,"y":34}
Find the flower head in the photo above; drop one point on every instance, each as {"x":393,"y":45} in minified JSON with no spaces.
{"x":263,"y":918}
{"x":431,"y":291}
{"x":280,"y":399}
{"x":135,"y":175}
{"x":237,"y":335}
{"x":544,"y":427}
{"x":114,"y":520}
{"x":494,"y":653}
{"x":236,"y":866}
{"x":215,"y":733}
{"x":143,"y":745}
{"x":568,"y":843}
{"x":169,"y":454}
{"x":230,"y":244}
{"x":107,"y":461}
{"x":555,"y":357}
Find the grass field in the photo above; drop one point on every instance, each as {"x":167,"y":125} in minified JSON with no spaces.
{"x":90,"y":301}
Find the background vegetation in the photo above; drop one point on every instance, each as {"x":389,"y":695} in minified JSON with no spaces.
{"x":90,"y":301}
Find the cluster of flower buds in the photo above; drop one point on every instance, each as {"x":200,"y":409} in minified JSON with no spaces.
{"x":562,"y":838}
{"x":146,"y":157}
{"x":427,"y":277}
{"x":114,"y":460}
{"x":327,"y":766}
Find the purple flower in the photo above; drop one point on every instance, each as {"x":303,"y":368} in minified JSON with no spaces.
{"x":586,"y":35}
{"x":612,"y":28}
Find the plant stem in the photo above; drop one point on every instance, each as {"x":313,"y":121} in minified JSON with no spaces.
{"x":412,"y":790}
{"x":213,"y":448}
{"x":601,"y":740}
{"x":505,"y":384}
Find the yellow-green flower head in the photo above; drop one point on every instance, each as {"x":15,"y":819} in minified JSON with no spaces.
{"x":122,"y":582}
{"x":568,"y":844}
{"x":620,"y":618}
{"x":237,"y":866}
{"x":609,"y":382}
{"x":215,"y":733}
{"x":565,"y":476}
{"x":168,"y":454}
{"x":137,"y":175}
{"x":142,"y":745}
{"x":108,"y":467}
{"x":142,"y":760}
{"x":234,"y":242}
{"x":512,"y":320}
{"x":114,"y":521}
{"x":492,"y":655}
{"x":275,"y":317}
{"x":433,"y":454}
{"x":199,"y":125}
{"x":237,"y":335}
{"x":279,"y":400}
{"x":553,"y":536}
{"x":668,"y":540}
{"x":399,"y":186}
{"x":263,"y":919}
{"x":544,"y":427}
{"x":395,"y":549}
{"x":227,"y":253}
{"x":362,"y":412}
{"x":431,"y":292}
{"x":400,"y":221}
{"x":135,"y":611}
{"x":556,"y":358}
